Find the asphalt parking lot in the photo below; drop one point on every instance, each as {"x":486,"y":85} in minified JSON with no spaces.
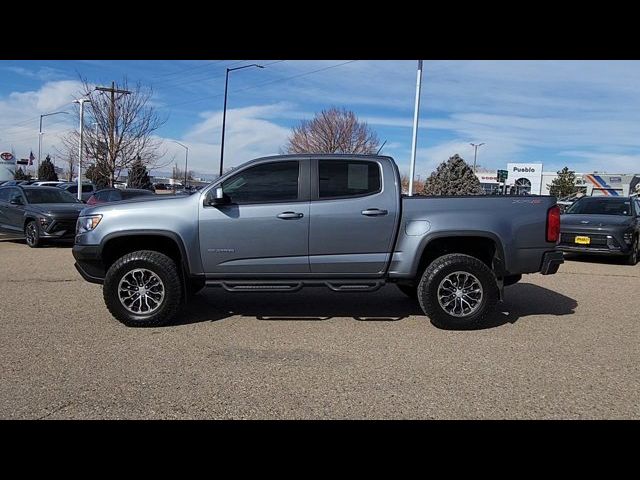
{"x":564,"y":346}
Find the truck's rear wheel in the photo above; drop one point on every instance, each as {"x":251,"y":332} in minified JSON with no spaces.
{"x":143,"y":289}
{"x":457,"y":292}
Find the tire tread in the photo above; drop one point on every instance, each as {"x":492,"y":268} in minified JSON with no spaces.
{"x":173,"y":289}
{"x":430,"y":305}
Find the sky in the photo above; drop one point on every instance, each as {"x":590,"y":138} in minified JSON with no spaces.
{"x":581,"y":114}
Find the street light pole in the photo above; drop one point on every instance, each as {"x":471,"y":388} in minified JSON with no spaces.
{"x":40,"y":135}
{"x":224,"y":110}
{"x":186,"y":160}
{"x":475,"y":153}
{"x":81,"y":102}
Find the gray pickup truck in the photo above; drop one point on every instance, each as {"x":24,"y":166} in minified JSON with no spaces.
{"x":282,"y":223}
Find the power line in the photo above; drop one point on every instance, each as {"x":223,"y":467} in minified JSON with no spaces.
{"x":194,"y":76}
{"x":260,"y":84}
{"x":186,"y":69}
{"x":207,"y":76}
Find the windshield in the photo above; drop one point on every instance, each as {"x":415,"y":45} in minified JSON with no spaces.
{"x":601,"y":206}
{"x":46,"y":195}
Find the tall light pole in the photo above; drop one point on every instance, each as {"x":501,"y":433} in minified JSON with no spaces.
{"x":414,"y":140}
{"x":40,"y":135}
{"x":475,"y":153}
{"x":224,"y":111}
{"x":186,"y":159}
{"x":82,"y":101}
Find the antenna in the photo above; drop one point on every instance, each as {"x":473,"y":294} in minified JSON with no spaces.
{"x":383,"y":144}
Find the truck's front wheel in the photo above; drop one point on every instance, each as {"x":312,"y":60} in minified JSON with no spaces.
{"x":143,"y":289}
{"x":458,"y":291}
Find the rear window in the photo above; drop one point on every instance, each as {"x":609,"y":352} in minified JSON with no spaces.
{"x":348,"y":178}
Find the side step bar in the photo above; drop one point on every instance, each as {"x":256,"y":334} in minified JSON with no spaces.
{"x":341,"y":285}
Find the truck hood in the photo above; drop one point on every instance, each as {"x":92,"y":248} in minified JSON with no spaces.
{"x":58,"y":209}
{"x":158,"y":201}
{"x":595,"y":220}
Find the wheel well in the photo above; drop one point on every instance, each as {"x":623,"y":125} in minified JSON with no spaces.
{"x":482,"y":248}
{"x":119,"y":246}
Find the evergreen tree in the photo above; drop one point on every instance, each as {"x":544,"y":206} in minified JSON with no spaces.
{"x":138,"y":175}
{"x":564,"y":184}
{"x":99,"y":180}
{"x":20,"y":175}
{"x":46,"y":171}
{"x":453,"y":177}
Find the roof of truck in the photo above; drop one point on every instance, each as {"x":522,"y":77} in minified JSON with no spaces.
{"x":325,"y":156}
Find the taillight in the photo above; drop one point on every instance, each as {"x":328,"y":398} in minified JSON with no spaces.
{"x":553,"y":224}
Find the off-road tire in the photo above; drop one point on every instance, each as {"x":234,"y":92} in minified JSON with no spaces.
{"x":437,"y":271}
{"x":162,"y":266}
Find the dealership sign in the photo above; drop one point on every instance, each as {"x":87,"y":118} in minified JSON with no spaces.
{"x":6,"y":156}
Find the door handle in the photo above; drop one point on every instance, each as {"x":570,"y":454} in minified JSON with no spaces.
{"x":290,"y":215}
{"x":374,"y":212}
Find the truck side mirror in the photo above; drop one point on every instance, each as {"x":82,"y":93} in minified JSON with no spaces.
{"x":219,"y":198}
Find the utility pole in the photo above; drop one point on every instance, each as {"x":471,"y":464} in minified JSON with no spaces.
{"x":475,"y":154}
{"x":414,"y":140}
{"x":112,"y":120}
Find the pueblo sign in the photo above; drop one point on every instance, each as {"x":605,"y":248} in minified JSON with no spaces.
{"x":6,"y":156}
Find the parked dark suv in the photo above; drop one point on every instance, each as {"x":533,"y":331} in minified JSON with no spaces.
{"x":602,"y":226}
{"x":38,"y":213}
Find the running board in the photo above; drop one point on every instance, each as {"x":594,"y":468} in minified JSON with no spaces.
{"x":260,"y":287}
{"x":355,"y":286}
{"x":338,"y":285}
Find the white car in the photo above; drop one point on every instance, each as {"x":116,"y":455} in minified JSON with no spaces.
{"x":50,"y":183}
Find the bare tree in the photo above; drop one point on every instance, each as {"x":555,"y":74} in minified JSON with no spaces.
{"x":118,"y":132}
{"x":178,"y":174}
{"x":69,"y":153}
{"x":333,"y":131}
{"x":418,"y":185}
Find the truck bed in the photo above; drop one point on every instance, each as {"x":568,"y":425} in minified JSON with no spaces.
{"x":517,"y":224}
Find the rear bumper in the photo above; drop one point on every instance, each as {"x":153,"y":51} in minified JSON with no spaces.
{"x":551,"y":261}
{"x":89,"y":263}
{"x":592,"y":251}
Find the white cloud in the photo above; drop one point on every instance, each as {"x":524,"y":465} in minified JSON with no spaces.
{"x":605,"y":161}
{"x":250,"y":131}
{"x":20,"y":115}
{"x":248,"y":134}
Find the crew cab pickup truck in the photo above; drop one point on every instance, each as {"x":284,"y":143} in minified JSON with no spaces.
{"x":286,"y":222}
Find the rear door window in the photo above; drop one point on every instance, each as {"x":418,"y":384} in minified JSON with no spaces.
{"x":348,"y":178}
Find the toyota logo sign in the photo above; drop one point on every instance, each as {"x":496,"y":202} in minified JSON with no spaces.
{"x":6,"y":156}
